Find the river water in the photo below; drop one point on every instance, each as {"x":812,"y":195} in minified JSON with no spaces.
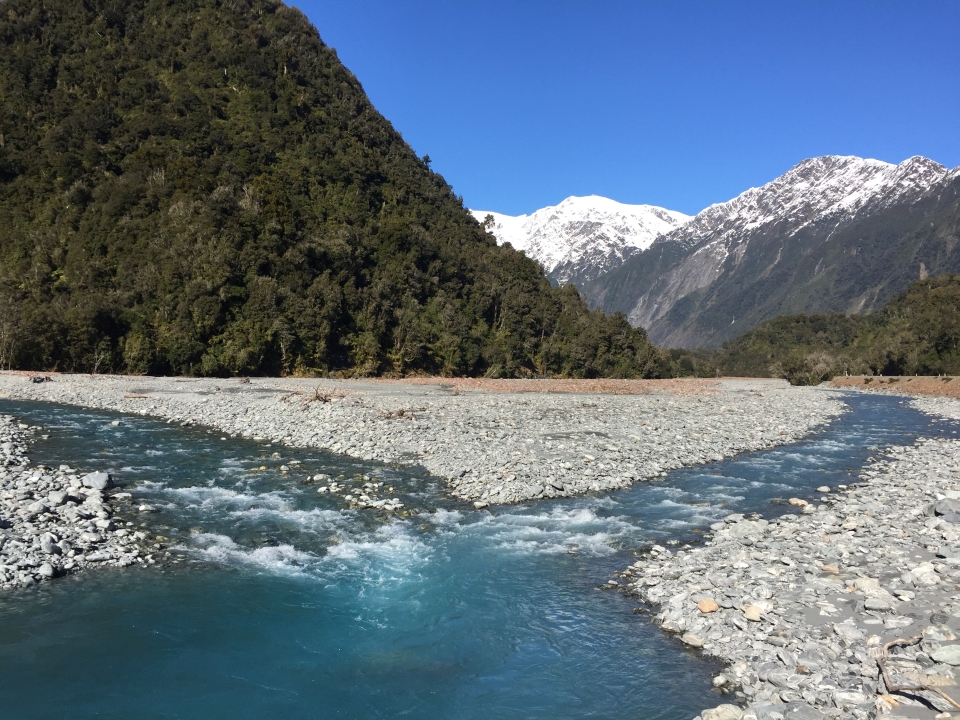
{"x":288,"y":606}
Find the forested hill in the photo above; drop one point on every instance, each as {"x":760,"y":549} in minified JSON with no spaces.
{"x":917,"y":332}
{"x":200,"y":187}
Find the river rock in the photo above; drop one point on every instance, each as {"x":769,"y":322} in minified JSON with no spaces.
{"x":707,"y":605}
{"x":948,"y":654}
{"x":97,"y":480}
{"x":723,"y":712}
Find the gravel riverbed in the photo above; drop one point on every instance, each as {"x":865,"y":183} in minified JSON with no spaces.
{"x":803,"y":608}
{"x":491,"y":446}
{"x":57,"y":521}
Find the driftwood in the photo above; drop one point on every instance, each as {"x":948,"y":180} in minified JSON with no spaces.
{"x":318,"y":396}
{"x":892,"y":688}
{"x":401,"y":413}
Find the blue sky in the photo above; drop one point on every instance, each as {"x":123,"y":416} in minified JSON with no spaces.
{"x":680,"y":104}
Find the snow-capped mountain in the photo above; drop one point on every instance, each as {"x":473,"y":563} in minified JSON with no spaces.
{"x":808,"y":241}
{"x":583,"y":237}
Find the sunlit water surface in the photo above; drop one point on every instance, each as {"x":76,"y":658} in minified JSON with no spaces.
{"x":290,"y":606}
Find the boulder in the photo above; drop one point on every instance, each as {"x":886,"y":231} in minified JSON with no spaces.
{"x":97,"y":480}
{"x":723,"y":712}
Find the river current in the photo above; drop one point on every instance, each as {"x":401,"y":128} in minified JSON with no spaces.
{"x":286,"y":605}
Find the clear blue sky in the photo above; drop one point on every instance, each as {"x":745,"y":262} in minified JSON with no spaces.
{"x":680,"y":104}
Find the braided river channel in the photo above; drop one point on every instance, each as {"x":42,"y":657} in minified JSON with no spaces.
{"x":283,"y":604}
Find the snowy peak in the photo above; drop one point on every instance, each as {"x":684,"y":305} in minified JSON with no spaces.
{"x":583,"y":234}
{"x":723,"y":262}
{"x":829,"y":188}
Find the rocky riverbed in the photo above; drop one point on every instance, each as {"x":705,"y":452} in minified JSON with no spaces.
{"x":58,"y":521}
{"x":806,"y":609}
{"x":493,"y":446}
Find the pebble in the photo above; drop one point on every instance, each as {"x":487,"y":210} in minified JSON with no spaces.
{"x":52,"y":522}
{"x":707,"y":605}
{"x":492,"y":447}
{"x":807,"y":601}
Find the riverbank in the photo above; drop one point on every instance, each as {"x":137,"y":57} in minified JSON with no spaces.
{"x":494,"y":442}
{"x":944,"y":386}
{"x":803,"y":609}
{"x":60,"y":521}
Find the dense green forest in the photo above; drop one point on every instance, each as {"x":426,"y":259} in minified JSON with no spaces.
{"x":201,"y":187}
{"x":917,"y":332}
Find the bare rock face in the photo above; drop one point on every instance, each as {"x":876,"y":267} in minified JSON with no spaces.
{"x":828,"y":235}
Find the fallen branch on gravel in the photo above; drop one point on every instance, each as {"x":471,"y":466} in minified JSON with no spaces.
{"x":318,"y":396}
{"x":912,"y":689}
{"x":401,"y":413}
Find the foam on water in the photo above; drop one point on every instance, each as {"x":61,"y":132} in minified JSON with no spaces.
{"x":213,"y":497}
{"x":296,"y":606}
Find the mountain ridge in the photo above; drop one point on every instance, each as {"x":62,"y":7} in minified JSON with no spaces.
{"x":815,"y":239}
{"x":581,"y":238}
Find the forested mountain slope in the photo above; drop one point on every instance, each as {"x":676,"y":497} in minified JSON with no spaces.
{"x":917,"y":332}
{"x":200,"y":187}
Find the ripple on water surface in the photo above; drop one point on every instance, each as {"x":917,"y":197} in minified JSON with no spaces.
{"x":294,"y":606}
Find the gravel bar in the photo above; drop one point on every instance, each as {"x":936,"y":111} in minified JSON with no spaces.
{"x":57,"y":522}
{"x":492,"y":446}
{"x":805,"y":609}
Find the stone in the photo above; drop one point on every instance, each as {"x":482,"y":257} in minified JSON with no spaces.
{"x":49,"y":546}
{"x":752,"y":612}
{"x":722,"y":712}
{"x":802,"y":711}
{"x":848,"y":631}
{"x":947,"y":505}
{"x":46,"y":570}
{"x":707,"y":605}
{"x":692,"y":640}
{"x":764,"y":711}
{"x":876,"y":603}
{"x":97,"y":480}
{"x":823,"y":489}
{"x":797,"y":502}
{"x":57,"y":498}
{"x":948,"y":654}
{"x":830,"y":569}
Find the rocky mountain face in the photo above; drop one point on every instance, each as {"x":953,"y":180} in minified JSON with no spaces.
{"x":833,"y":234}
{"x":583,"y":238}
